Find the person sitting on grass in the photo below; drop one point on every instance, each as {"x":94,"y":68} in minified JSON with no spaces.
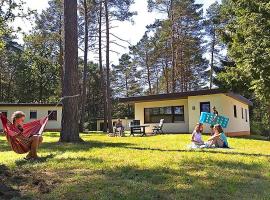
{"x":219,"y":138}
{"x":196,"y":137}
{"x":32,"y":142}
{"x":119,"y":127}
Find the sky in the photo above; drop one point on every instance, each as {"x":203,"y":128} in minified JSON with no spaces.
{"x":132,"y":32}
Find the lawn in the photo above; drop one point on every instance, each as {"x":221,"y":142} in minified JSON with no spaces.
{"x":158,"y":167}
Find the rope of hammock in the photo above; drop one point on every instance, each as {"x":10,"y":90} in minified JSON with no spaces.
{"x":61,"y":99}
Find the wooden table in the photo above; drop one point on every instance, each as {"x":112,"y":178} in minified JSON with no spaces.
{"x":138,"y":129}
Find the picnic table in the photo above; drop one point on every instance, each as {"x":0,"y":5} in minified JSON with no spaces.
{"x":138,"y":129}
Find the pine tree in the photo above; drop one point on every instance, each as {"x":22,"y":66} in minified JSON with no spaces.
{"x":141,"y":53}
{"x":126,"y":78}
{"x":114,"y":10}
{"x":214,"y":25}
{"x":182,"y":31}
{"x":50,"y":25}
{"x":70,"y":113}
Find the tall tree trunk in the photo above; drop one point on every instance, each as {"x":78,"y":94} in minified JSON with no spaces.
{"x":1,"y":96}
{"x":61,"y":54}
{"x":166,"y":74}
{"x":101,"y":71}
{"x":148,"y":72}
{"x":126,"y":84}
{"x":109,"y":102}
{"x":86,"y":38}
{"x":70,"y":115}
{"x":212,"y":59}
{"x":172,"y":46}
{"x":269,"y":120}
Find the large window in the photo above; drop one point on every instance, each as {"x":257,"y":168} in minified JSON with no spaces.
{"x":205,"y":107}
{"x":52,"y":115}
{"x":170,"y":114}
{"x":33,"y":114}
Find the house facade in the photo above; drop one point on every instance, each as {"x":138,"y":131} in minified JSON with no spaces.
{"x":35,"y":111}
{"x":181,"y":111}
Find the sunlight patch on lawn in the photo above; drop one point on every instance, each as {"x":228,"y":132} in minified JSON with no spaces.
{"x":157,"y":167}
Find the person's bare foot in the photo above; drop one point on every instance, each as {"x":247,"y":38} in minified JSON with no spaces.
{"x":29,"y":156}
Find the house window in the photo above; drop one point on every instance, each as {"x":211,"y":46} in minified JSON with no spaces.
{"x":5,"y":113}
{"x":205,"y":107}
{"x":242,"y":110}
{"x":33,"y":114}
{"x":235,"y":111}
{"x":246,"y":113}
{"x":170,"y":114}
{"x":52,"y":115}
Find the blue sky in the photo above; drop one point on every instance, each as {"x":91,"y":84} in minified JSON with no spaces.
{"x":125,"y":30}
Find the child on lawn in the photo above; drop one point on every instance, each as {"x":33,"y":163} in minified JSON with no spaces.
{"x":219,"y":138}
{"x":196,"y":137}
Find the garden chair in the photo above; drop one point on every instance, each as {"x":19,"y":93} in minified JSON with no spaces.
{"x":119,"y":131}
{"x":158,"y":129}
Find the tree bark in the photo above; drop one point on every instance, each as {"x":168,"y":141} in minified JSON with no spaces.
{"x":172,"y":47}
{"x":1,"y":96}
{"x":167,"y":75}
{"x":101,"y":71}
{"x":61,"y":62}
{"x":85,"y":62}
{"x":148,"y":72}
{"x":269,"y":120}
{"x":70,"y":115}
{"x":212,"y":59}
{"x":109,"y":103}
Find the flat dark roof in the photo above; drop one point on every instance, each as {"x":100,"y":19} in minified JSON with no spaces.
{"x":184,"y":95}
{"x":29,"y":104}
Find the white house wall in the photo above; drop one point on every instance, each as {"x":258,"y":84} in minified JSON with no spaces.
{"x":42,"y":111}
{"x":178,"y":127}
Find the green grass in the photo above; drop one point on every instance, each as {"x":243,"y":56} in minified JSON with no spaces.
{"x":157,"y":167}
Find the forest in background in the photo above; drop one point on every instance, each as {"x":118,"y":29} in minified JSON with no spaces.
{"x":170,"y":57}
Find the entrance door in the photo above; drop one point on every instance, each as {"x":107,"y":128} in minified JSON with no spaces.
{"x":205,"y":107}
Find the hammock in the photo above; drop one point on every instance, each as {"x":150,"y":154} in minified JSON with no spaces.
{"x":14,"y":135}
{"x":17,"y":140}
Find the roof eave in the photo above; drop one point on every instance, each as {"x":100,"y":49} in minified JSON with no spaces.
{"x":240,"y":98}
{"x":171,"y":96}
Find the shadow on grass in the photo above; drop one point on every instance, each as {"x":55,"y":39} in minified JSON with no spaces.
{"x":197,"y":151}
{"x":253,"y":137}
{"x":6,"y":191}
{"x":42,"y":159}
{"x":192,"y":180}
{"x":80,"y":159}
{"x":84,"y":146}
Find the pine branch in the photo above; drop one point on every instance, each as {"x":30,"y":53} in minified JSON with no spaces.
{"x":120,"y":38}
{"x":113,"y":42}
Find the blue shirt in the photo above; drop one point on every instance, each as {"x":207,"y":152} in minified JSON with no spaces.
{"x":224,"y":139}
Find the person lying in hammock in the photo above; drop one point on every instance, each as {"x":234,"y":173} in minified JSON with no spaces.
{"x":31,"y":142}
